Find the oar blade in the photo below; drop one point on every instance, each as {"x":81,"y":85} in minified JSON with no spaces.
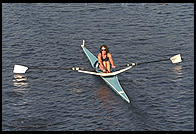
{"x":176,"y":59}
{"x":20,"y":69}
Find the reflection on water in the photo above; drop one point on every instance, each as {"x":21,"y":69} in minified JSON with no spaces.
{"x":103,"y":93}
{"x":177,"y":70}
{"x":105,"y":96}
{"x":20,"y":81}
{"x":178,"y":73}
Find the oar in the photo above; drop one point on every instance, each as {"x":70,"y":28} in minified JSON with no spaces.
{"x":20,"y":69}
{"x":174,"y":59}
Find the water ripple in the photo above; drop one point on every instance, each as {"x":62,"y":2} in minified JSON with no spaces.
{"x":50,"y":35}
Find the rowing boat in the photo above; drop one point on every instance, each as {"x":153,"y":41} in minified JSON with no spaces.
{"x":112,"y":81}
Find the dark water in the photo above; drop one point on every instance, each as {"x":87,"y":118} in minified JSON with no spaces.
{"x":50,"y":35}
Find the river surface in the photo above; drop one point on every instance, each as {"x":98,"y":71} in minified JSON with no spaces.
{"x":50,"y":35}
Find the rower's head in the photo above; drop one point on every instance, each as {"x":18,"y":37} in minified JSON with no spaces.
{"x":104,"y":48}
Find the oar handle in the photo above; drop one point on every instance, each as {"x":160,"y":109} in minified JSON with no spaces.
{"x":81,"y":68}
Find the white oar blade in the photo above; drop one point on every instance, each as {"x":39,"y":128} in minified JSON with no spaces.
{"x":20,"y":69}
{"x":176,"y":59}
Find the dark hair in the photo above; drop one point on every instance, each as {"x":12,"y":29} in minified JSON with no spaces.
{"x":107,"y":50}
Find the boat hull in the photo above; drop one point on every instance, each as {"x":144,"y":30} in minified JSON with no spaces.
{"x":112,"y":81}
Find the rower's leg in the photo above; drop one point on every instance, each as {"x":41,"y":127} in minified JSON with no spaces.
{"x":108,"y":66}
{"x":105,"y":64}
{"x":102,"y":68}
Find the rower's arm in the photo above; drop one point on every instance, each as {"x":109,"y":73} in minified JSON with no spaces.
{"x":111,"y":60}
{"x":100,"y":61}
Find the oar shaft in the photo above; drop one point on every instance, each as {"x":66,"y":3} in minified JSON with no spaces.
{"x":50,"y":68}
{"x":23,"y":69}
{"x":151,"y":61}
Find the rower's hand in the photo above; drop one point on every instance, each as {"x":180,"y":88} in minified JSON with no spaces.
{"x":113,"y":66}
{"x":133,"y":64}
{"x":104,"y":71}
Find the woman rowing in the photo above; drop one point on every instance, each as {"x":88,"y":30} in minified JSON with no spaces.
{"x":105,"y":59}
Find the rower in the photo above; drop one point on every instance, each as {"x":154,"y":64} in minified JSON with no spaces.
{"x":105,"y":59}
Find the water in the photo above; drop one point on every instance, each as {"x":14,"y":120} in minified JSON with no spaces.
{"x":50,"y":35}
